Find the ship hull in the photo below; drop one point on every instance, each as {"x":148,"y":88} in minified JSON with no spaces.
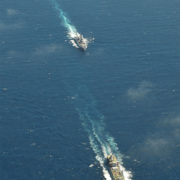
{"x":80,"y":46}
{"x":114,"y":168}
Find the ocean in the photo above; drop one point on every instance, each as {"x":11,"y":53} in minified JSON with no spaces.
{"x":63,"y":111}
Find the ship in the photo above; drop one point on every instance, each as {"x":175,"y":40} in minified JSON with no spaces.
{"x":114,"y":168}
{"x":81,"y":42}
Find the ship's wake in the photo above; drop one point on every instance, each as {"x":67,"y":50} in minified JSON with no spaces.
{"x":93,"y":122}
{"x":72,"y":32}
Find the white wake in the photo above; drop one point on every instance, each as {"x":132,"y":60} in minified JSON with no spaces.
{"x":92,"y":120}
{"x":100,"y":141}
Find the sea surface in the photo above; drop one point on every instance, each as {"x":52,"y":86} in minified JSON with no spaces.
{"x":62,"y":110}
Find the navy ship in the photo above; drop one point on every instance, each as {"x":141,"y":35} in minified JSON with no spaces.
{"x":81,"y":42}
{"x":114,"y":168}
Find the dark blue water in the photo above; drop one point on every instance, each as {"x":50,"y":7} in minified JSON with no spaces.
{"x":126,"y":86}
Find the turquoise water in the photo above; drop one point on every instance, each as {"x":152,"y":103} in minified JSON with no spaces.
{"x":62,"y":110}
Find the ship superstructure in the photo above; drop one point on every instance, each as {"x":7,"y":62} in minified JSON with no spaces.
{"x":114,"y":168}
{"x":81,"y":42}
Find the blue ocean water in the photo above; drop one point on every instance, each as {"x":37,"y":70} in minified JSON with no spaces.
{"x":62,"y":110}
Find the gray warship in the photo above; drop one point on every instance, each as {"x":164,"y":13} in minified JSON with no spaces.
{"x":114,"y":168}
{"x":81,"y":42}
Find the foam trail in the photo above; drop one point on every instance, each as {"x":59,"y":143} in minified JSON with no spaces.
{"x":99,"y":157}
{"x":66,"y":22}
{"x":93,"y":122}
{"x":72,"y":32}
{"x":94,"y":143}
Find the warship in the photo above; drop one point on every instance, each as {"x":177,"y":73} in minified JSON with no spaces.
{"x":114,"y":168}
{"x":81,"y":42}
